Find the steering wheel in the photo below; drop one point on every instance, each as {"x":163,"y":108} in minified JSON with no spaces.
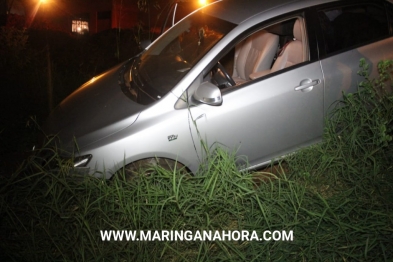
{"x":227,"y":76}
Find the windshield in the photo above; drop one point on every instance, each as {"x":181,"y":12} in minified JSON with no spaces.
{"x":169,"y":58}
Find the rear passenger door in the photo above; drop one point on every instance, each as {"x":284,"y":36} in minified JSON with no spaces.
{"x":347,"y":32}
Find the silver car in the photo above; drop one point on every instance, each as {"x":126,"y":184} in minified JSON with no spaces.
{"x":255,"y":77}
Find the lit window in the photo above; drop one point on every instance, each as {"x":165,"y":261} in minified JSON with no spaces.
{"x":80,"y":27}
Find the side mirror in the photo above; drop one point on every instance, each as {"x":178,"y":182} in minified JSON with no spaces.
{"x":208,"y":93}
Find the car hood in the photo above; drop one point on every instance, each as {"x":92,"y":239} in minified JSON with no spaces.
{"x":94,"y":111}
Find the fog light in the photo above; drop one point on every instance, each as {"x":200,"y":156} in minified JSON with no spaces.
{"x":82,"y":161}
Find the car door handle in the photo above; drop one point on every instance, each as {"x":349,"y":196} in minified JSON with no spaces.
{"x":307,"y":83}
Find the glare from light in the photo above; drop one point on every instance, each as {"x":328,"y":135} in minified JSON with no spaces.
{"x":202,"y":2}
{"x":35,"y":10}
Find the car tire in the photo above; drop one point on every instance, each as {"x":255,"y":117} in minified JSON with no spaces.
{"x":148,"y":166}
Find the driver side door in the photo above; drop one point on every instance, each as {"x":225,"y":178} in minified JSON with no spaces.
{"x":268,"y":117}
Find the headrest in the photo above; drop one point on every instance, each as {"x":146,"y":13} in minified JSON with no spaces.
{"x":297,"y":29}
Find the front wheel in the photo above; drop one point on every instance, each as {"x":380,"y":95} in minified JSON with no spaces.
{"x":149,"y":166}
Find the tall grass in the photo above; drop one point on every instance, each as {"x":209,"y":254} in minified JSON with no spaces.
{"x":336,"y":197}
{"x":357,"y":148}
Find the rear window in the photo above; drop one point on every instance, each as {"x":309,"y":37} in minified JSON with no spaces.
{"x":351,"y":26}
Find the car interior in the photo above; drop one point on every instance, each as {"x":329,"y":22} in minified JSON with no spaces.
{"x":266,"y":51}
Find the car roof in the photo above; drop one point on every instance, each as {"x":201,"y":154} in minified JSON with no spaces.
{"x":237,"y":11}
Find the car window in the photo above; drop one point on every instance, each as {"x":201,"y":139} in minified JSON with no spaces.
{"x":167,"y":60}
{"x":352,"y":25}
{"x":267,"y":50}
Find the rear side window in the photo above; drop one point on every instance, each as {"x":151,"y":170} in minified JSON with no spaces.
{"x":354,"y":25}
